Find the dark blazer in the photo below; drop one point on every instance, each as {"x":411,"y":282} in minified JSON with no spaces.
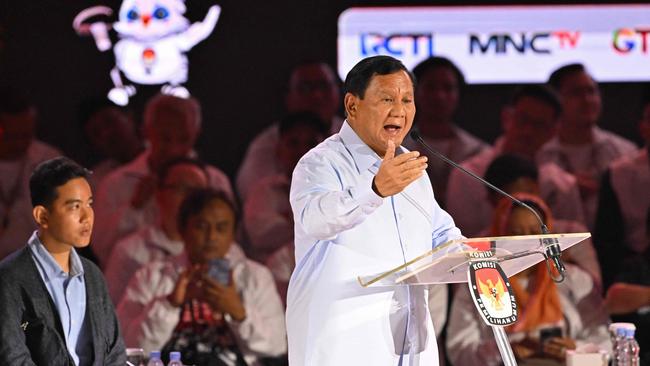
{"x":30,"y":328}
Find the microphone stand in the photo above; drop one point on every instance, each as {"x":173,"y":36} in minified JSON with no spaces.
{"x":552,"y":248}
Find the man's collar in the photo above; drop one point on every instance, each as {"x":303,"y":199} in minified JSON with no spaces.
{"x":49,"y":264}
{"x":363,"y":155}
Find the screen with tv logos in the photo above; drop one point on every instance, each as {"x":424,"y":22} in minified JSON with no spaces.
{"x":504,"y":44}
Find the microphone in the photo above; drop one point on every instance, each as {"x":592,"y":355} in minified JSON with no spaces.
{"x":551,"y":245}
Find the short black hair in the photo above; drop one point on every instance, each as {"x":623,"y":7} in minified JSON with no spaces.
{"x":164,"y":170}
{"x":308,"y":119}
{"x":540,"y":92}
{"x":51,"y":174}
{"x":437,"y":62}
{"x":507,"y":168}
{"x":357,"y":80}
{"x":14,"y":100}
{"x":559,"y":75}
{"x":198,"y":199}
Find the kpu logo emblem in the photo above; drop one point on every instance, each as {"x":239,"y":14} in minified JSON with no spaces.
{"x":491,"y":293}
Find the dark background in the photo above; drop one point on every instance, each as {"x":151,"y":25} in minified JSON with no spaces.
{"x":238,"y":72}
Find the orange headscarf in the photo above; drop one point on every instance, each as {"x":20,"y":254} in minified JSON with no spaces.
{"x":539,"y":303}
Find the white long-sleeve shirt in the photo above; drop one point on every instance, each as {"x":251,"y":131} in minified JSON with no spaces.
{"x":343,"y":229}
{"x":146,"y":245}
{"x":148,"y":319}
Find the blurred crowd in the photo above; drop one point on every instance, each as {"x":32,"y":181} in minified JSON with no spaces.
{"x":163,"y":214}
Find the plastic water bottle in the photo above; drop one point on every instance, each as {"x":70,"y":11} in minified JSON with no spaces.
{"x":175,"y":359}
{"x":633,"y":346}
{"x":154,"y":359}
{"x":621,"y":348}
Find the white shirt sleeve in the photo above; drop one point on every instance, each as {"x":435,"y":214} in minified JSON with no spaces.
{"x":146,"y":316}
{"x":263,"y":332}
{"x":321,"y":207}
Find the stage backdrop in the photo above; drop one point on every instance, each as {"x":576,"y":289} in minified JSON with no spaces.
{"x":239,"y":70}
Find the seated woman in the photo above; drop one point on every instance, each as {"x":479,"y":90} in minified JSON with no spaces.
{"x":553,"y":318}
{"x":215,"y":305}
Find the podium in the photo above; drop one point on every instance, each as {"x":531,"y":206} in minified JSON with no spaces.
{"x":485,"y":264}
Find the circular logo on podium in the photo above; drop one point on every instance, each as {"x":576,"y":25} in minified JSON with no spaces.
{"x":491,"y":293}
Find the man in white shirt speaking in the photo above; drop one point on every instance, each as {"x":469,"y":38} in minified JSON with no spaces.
{"x":362,"y":204}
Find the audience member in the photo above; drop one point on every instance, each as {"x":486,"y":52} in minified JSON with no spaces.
{"x":437,"y":93}
{"x":580,"y":146}
{"x":267,"y":213}
{"x":161,"y":239}
{"x":528,"y":122}
{"x":574,"y":305}
{"x":20,"y":153}
{"x":624,"y":206}
{"x":125,"y":198}
{"x":205,"y":306}
{"x":623,"y":238}
{"x":516,"y":174}
{"x":312,"y":87}
{"x":54,"y":304}
{"x":628,"y":299}
{"x":111,"y":134}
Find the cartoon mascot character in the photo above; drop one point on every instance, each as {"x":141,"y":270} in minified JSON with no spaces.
{"x":153,"y":39}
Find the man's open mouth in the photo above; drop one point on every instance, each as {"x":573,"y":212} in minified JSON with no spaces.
{"x":392,"y":129}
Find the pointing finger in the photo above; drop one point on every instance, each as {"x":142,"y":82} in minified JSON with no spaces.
{"x":390,"y":150}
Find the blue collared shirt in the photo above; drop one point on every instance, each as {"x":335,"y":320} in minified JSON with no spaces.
{"x":344,"y":230}
{"x":68,"y":292}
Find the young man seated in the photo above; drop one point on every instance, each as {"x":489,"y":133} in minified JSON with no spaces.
{"x":54,"y":304}
{"x":213,"y":305}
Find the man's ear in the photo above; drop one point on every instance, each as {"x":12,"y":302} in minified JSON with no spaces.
{"x":41,"y":216}
{"x":350,"y":102}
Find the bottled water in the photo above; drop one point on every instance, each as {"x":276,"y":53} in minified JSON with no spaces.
{"x":175,"y":359}
{"x":154,"y":359}
{"x":633,"y":347}
{"x":621,"y":348}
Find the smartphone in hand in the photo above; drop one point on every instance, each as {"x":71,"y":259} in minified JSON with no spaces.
{"x":219,"y":270}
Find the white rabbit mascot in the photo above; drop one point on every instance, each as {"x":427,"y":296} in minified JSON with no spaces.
{"x":153,"y":39}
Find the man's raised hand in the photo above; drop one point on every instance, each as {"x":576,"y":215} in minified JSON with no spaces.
{"x":395,"y":173}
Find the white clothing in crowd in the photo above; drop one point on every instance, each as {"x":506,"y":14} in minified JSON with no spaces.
{"x":260,"y":160}
{"x":133,"y":252}
{"x":267,"y":216}
{"x":458,"y":148}
{"x":115,"y":218}
{"x":148,"y":319}
{"x":630,"y":181}
{"x":591,"y":159}
{"x":468,"y":203}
